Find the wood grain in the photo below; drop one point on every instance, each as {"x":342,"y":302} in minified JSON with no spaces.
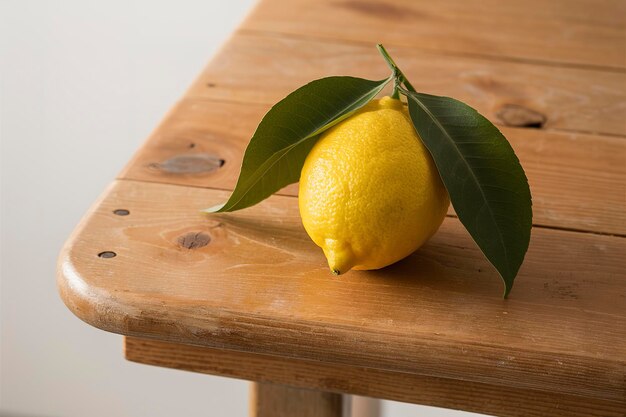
{"x":573,"y":32}
{"x":412,"y":388}
{"x":577,"y":181}
{"x":274,"y":400}
{"x":260,"y":285}
{"x":259,"y":68}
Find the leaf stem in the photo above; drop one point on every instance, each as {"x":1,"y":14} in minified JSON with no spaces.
{"x":407,"y":84}
{"x":405,"y":91}
{"x":399,"y":77}
{"x":396,"y":93}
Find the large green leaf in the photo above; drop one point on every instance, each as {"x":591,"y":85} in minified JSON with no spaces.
{"x":283,"y":139}
{"x":487,"y":185}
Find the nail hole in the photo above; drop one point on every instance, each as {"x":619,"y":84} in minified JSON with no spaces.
{"x":222,"y":162}
{"x":121,"y":212}
{"x":192,"y":145}
{"x":107,"y":254}
{"x":210,"y":85}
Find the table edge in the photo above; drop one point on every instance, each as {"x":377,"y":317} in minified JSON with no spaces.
{"x":113,"y":313}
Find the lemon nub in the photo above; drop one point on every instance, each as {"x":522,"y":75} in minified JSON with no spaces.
{"x":339,"y":256}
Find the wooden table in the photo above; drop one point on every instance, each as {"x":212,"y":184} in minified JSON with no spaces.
{"x":248,"y":295}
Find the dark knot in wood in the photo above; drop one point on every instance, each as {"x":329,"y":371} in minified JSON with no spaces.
{"x":194,"y":240}
{"x":520,"y":116}
{"x":194,"y":163}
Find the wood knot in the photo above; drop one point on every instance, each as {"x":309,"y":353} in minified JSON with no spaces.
{"x":520,"y":116}
{"x":194,"y":240}
{"x":194,"y":163}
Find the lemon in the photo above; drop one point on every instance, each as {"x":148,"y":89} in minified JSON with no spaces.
{"x":370,"y":193}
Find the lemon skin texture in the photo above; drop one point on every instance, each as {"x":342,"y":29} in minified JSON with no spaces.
{"x":369,"y":192}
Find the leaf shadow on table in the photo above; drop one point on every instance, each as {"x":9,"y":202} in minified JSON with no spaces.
{"x":442,"y":266}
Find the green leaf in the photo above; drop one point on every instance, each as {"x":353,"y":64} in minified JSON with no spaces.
{"x":487,"y":185}
{"x":276,"y":153}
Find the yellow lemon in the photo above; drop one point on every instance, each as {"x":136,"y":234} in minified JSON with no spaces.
{"x":370,"y":193}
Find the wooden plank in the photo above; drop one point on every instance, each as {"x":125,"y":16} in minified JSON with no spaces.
{"x":253,"y":281}
{"x":412,"y":388}
{"x":574,"y":32}
{"x":263,"y":69}
{"x":274,"y":400}
{"x":578,"y":181}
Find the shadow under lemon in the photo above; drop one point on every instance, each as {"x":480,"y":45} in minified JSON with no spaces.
{"x":291,"y":277}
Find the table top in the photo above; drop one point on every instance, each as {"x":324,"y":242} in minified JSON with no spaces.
{"x":144,"y":262}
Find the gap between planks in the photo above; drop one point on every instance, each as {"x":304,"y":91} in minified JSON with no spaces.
{"x":498,"y":58}
{"x":564,"y":229}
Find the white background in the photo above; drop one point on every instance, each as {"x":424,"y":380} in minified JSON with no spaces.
{"x":82,"y":84}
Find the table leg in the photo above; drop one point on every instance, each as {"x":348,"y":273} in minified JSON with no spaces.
{"x":365,"y":407}
{"x":274,"y":400}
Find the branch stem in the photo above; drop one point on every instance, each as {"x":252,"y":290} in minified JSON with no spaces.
{"x":398,"y":74}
